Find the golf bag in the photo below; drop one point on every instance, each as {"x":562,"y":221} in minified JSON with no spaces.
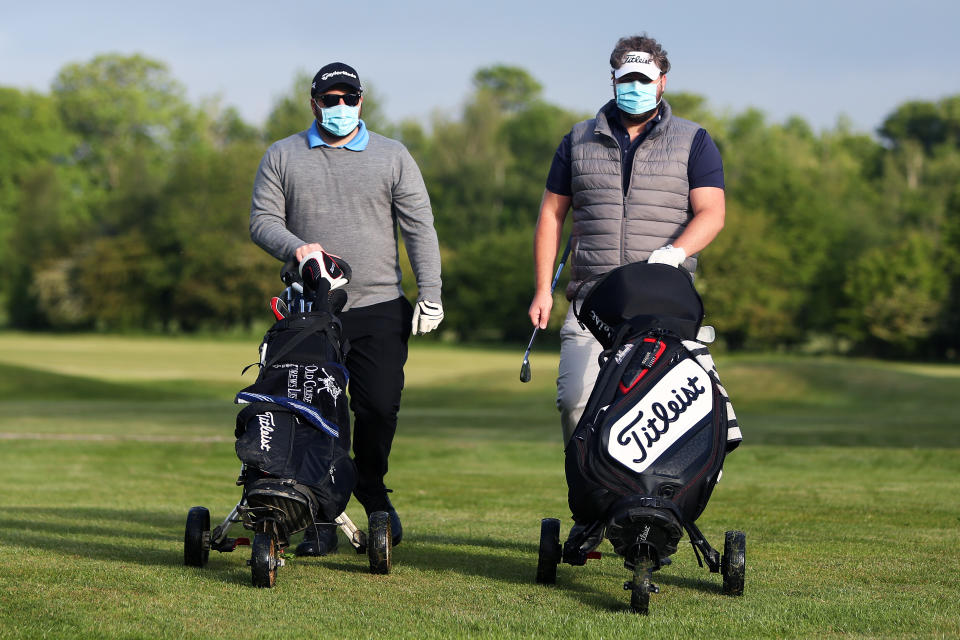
{"x":294,"y":434}
{"x":651,"y":443}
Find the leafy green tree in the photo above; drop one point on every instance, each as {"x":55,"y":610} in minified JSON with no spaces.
{"x":927,"y":123}
{"x":948,"y":338}
{"x":748,"y":292}
{"x":487,"y":286}
{"x":41,"y":238}
{"x":221,"y":278}
{"x":291,"y":111}
{"x":532,"y":136}
{"x":122,"y":106}
{"x":486,"y":171}
{"x":897,"y":295}
{"x":465,"y":172}
{"x":39,"y":183}
{"x":512,"y":88}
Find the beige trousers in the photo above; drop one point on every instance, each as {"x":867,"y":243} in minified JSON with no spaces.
{"x":578,"y":371}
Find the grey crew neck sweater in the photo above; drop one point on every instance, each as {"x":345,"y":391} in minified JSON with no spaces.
{"x":352,"y":203}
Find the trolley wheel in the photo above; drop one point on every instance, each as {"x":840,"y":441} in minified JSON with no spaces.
{"x":733,"y":563}
{"x":379,"y":543}
{"x":640,"y":586}
{"x":550,"y":551}
{"x":640,"y":591}
{"x":263,"y":560}
{"x":196,"y":538}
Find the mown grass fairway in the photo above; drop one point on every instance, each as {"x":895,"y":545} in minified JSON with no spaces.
{"x":848,"y":486}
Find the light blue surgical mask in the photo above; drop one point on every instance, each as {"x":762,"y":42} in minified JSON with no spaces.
{"x":636,"y":97}
{"x":341,"y":119}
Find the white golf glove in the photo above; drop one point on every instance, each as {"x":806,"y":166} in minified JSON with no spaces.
{"x":668,"y":254}
{"x":426,"y":317}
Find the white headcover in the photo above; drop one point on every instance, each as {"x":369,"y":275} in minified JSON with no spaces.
{"x":321,"y":264}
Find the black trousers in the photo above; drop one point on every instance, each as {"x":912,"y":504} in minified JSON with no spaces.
{"x":378,"y":336}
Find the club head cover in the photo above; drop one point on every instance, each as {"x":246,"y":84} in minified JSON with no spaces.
{"x":288,"y":272}
{"x":320,"y":265}
{"x":321,"y":296}
{"x":279,"y":308}
{"x":337,"y":300}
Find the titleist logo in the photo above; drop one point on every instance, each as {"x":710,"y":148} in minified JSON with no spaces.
{"x":603,"y":326}
{"x":676,"y":404}
{"x":267,"y":426}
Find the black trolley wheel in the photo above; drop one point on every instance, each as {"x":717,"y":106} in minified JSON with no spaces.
{"x":640,"y":586}
{"x":550,"y":551}
{"x":263,"y":560}
{"x":733,"y":562}
{"x":640,"y":594}
{"x":196,"y":538}
{"x":379,"y":543}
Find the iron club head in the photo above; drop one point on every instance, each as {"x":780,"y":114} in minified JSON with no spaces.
{"x":525,"y":371}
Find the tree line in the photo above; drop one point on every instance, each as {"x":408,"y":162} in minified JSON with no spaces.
{"x":124,"y":207}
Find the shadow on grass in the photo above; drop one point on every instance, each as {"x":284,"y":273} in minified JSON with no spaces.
{"x":114,"y":535}
{"x":27,"y":383}
{"x":152,"y":539}
{"x":475,"y":556}
{"x":478,"y":556}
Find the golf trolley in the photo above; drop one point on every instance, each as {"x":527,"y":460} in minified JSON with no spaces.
{"x":650,"y":446}
{"x":642,"y":532}
{"x":296,"y":469}
{"x":274,"y":510}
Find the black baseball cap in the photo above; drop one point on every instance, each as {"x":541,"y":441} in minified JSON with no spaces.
{"x":333,"y":74}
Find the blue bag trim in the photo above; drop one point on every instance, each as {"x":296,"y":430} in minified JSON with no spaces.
{"x":301,"y":408}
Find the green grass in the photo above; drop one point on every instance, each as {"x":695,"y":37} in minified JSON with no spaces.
{"x":847,"y":486}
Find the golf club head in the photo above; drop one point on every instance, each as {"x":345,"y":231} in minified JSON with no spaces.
{"x":338,"y":299}
{"x":288,"y":273}
{"x":279,"y":308}
{"x":525,"y":371}
{"x":321,"y":266}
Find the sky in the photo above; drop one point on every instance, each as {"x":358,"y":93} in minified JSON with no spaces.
{"x":820,"y":60}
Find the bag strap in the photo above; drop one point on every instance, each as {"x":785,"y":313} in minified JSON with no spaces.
{"x":576,"y":295}
{"x":322,"y":323}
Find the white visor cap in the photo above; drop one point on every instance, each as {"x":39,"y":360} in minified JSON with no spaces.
{"x":638,"y":62}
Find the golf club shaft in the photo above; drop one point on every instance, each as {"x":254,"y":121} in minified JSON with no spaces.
{"x":553,"y":285}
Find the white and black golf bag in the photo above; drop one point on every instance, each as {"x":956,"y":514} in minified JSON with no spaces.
{"x":651,"y":443}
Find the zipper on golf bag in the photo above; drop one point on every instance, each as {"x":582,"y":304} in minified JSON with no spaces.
{"x":652,"y":349}
{"x":629,"y":368}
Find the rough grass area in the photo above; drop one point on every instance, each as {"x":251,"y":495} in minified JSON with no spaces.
{"x":847,"y":486}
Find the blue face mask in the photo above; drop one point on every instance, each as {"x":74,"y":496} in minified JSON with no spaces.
{"x":341,"y":119}
{"x":636,"y":98}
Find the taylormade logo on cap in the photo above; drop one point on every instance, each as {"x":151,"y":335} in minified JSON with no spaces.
{"x":327,"y":76}
{"x":333,"y":74}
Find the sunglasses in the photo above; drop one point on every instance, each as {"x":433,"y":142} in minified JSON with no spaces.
{"x":333,"y":99}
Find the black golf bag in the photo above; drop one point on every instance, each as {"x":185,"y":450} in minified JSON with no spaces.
{"x":650,"y":445}
{"x":294,"y":435}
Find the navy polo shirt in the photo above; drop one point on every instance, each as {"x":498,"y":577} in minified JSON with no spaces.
{"x":704,"y":167}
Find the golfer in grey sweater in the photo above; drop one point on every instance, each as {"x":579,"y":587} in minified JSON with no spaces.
{"x":347,"y":190}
